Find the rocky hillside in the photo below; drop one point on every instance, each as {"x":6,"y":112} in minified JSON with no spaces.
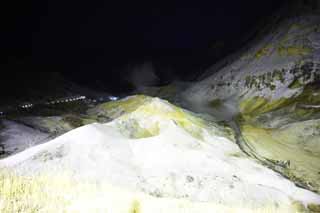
{"x":152,"y":157}
{"x":271,"y":89}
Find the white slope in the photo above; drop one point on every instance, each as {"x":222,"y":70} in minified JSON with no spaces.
{"x":172,"y":164}
{"x":15,"y":137}
{"x":287,"y":46}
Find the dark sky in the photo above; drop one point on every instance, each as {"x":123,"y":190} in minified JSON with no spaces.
{"x":83,"y":37}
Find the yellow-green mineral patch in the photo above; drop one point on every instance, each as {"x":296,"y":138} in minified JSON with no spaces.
{"x":115,"y":109}
{"x":294,"y":51}
{"x":262,"y":52}
{"x":253,"y":107}
{"x":139,"y":116}
{"x":297,"y":144}
{"x":154,"y":111}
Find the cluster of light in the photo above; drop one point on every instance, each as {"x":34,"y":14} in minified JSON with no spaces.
{"x":67,"y":100}
{"x":113,"y":98}
{"x":25,"y":106}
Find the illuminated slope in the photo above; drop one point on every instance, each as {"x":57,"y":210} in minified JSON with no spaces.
{"x":154,"y":156}
{"x":271,"y":89}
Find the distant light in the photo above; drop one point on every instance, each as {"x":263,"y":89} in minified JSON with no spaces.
{"x":113,"y":98}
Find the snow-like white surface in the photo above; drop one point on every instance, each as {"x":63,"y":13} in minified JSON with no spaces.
{"x":17,"y":137}
{"x":172,"y":164}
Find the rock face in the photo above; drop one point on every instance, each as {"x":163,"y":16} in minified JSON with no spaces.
{"x":160,"y":150}
{"x":274,"y":89}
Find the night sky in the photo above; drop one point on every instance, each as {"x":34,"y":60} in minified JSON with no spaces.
{"x":101,"y":39}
